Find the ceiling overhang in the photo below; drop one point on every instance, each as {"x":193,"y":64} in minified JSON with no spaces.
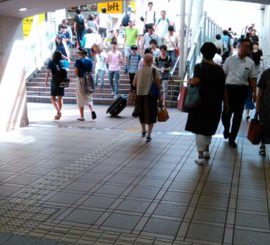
{"x":11,"y":7}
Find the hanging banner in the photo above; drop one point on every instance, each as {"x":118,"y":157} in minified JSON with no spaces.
{"x":113,"y":7}
{"x":27,"y":24}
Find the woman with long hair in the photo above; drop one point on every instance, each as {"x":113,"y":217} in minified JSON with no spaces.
{"x":57,"y":92}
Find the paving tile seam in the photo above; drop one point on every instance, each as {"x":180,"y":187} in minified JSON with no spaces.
{"x":184,"y":227}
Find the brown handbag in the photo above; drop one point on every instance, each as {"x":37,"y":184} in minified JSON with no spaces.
{"x":255,"y":131}
{"x":181,"y":99}
{"x":131,"y":98}
{"x":163,"y":115}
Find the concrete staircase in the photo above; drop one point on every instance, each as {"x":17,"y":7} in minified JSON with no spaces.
{"x":37,"y":91}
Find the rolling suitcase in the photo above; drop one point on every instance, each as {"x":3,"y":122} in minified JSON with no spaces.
{"x":117,"y":106}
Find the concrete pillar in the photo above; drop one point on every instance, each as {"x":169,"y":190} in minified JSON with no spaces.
{"x":265,"y":34}
{"x":13,"y":109}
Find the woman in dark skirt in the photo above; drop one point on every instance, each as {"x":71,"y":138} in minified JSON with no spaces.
{"x":204,"y":119}
{"x":56,"y":91}
{"x":147,"y":104}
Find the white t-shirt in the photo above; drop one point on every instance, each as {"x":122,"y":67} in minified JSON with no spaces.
{"x":162,"y":27}
{"x":150,"y":16}
{"x":238,"y":71}
{"x":101,"y":61}
{"x":91,"y":39}
{"x":171,"y":42}
{"x":103,"y":20}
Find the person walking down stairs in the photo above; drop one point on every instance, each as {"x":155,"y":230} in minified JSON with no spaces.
{"x":83,"y":70}
{"x":115,"y":59}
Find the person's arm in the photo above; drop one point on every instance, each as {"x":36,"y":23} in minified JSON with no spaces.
{"x":134,"y":83}
{"x":76,"y":71}
{"x":253,"y":81}
{"x":259,"y":99}
{"x":47,"y":77}
{"x":195,"y":81}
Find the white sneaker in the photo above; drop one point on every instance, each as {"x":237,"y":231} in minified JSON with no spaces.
{"x":206,"y":155}
{"x":200,"y":161}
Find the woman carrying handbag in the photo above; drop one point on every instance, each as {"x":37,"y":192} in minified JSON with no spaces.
{"x":204,"y":115}
{"x":147,"y":85}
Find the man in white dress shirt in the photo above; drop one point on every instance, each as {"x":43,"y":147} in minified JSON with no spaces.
{"x":240,"y":73}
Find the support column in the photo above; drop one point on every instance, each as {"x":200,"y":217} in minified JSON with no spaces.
{"x":182,"y":38}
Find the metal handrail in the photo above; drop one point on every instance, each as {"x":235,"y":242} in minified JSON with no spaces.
{"x":204,"y":34}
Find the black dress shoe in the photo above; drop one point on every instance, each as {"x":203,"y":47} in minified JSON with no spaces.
{"x":94,"y":116}
{"x":232,"y":144}
{"x":226,"y":134}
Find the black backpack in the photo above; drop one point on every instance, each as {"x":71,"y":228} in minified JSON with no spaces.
{"x":125,"y":20}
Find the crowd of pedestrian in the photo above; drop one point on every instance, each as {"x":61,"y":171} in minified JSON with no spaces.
{"x":226,"y":77}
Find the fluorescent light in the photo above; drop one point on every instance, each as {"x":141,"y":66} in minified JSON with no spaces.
{"x":22,"y":9}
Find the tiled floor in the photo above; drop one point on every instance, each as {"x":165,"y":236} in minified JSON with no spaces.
{"x":72,"y":182}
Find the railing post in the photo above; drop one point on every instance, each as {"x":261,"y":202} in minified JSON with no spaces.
{"x":182,"y":38}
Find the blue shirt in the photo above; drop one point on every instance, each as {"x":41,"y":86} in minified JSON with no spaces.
{"x":133,"y":62}
{"x":84,"y":65}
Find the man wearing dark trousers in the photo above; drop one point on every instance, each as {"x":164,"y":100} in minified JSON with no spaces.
{"x":240,"y":72}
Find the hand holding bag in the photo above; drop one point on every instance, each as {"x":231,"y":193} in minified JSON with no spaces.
{"x":163,"y":115}
{"x":255,"y":131}
{"x":154,"y":89}
{"x":181,"y":98}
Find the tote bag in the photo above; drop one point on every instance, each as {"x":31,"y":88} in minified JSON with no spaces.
{"x":255,"y":131}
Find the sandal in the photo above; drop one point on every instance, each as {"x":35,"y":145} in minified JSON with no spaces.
{"x":58,"y":116}
{"x":81,"y":119}
{"x":143,"y":134}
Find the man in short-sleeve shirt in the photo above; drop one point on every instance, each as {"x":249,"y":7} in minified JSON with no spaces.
{"x":240,"y":73}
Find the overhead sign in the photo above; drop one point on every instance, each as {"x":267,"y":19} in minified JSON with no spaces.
{"x":113,"y":7}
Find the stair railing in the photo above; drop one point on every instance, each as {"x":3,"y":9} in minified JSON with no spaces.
{"x":207,"y":31}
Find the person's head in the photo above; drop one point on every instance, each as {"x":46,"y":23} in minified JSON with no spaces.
{"x":163,"y":14}
{"x":163,"y":50}
{"x":57,"y":56}
{"x":255,"y":46}
{"x":90,"y":17}
{"x":65,"y":22}
{"x":114,"y":45}
{"x":150,"y":5}
{"x":252,"y":25}
{"x":130,"y":24}
{"x":253,"y":32}
{"x":96,"y":48}
{"x":104,"y":10}
{"x":81,"y":53}
{"x":142,"y":19}
{"x":148,"y":59}
{"x":63,"y":28}
{"x":150,"y":29}
{"x":171,"y":30}
{"x":148,"y":51}
{"x":129,"y":9}
{"x":89,"y":31}
{"x":153,"y":44}
{"x":230,"y":29}
{"x":208,"y":50}
{"x":225,"y":33}
{"x":218,"y":36}
{"x":78,"y":11}
{"x":244,"y":48}
{"x":134,"y":49}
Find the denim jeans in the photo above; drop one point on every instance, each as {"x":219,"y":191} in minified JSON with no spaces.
{"x":172,"y":54}
{"x":114,"y":77}
{"x":101,"y":74}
